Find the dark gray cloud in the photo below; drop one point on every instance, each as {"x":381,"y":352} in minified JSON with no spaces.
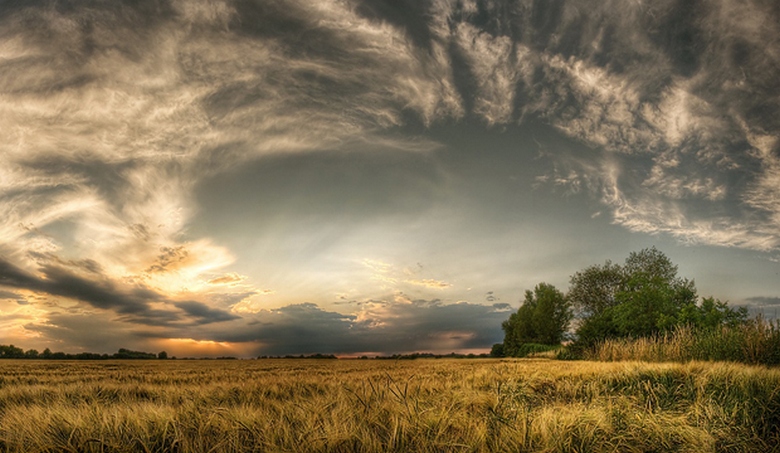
{"x":141,"y":136}
{"x":9,"y":295}
{"x":380,"y":327}
{"x":95,"y":332}
{"x":203,"y":313}
{"x":300,"y":329}
{"x":763,"y":301}
{"x":230,"y":299}
{"x":134,"y":304}
{"x":766,"y":306}
{"x":88,"y":265}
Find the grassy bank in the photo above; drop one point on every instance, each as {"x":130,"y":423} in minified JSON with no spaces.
{"x":424,"y":405}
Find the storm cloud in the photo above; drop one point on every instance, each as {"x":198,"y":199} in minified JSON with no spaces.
{"x":134,"y":303}
{"x":379,"y":328}
{"x":218,"y":163}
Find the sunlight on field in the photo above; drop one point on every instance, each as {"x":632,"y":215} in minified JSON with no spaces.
{"x":372,"y":405}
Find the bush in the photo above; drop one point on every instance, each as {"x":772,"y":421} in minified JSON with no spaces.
{"x":536,"y":349}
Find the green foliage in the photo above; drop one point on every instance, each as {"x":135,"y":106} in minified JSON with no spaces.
{"x":543,"y":318}
{"x":594,"y":289}
{"x":536,"y":349}
{"x":643,"y":297}
{"x":594,"y":329}
{"x":11,"y":352}
{"x":712,"y":314}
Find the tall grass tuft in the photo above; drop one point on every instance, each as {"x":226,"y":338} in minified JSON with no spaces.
{"x":756,"y":342}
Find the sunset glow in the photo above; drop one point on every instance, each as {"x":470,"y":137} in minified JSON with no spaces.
{"x":248,"y":178}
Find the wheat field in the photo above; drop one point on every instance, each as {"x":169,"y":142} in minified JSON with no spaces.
{"x":435,"y":405}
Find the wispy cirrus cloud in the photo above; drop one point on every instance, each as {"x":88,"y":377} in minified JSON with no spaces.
{"x":667,"y":98}
{"x":119,"y":116}
{"x":134,"y":130}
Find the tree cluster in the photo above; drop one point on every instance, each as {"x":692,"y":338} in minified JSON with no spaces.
{"x":543,"y":319}
{"x":12,"y":352}
{"x":642,"y":297}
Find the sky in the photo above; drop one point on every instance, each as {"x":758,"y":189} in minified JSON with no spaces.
{"x":355,"y":177}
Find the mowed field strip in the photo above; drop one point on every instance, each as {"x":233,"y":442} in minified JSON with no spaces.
{"x":297,"y":405}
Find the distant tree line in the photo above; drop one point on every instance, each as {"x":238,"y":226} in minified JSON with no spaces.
{"x":644,"y":297}
{"x":411,"y":356}
{"x":300,"y":356}
{"x":428,"y":355}
{"x":12,"y":352}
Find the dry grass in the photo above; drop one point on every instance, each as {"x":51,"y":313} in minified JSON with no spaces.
{"x":755,"y":342}
{"x":526,"y":405}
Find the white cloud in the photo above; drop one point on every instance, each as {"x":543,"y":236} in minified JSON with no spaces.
{"x":109,"y":128}
{"x":495,"y":68}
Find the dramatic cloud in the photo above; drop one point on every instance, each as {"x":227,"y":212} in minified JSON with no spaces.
{"x":207,"y":164}
{"x":136,"y":304}
{"x":9,"y":295}
{"x":378,"y":328}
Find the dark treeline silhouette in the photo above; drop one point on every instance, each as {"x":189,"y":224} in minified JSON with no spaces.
{"x":428,"y":355}
{"x":412,"y":356}
{"x":12,"y":352}
{"x":301,"y":356}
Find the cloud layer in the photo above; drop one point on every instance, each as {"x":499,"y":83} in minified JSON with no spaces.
{"x":132,"y":129}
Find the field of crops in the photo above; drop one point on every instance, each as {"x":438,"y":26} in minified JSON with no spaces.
{"x":531,"y":405}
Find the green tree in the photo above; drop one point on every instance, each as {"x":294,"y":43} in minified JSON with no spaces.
{"x":11,"y":352}
{"x":543,"y":318}
{"x":594,"y":289}
{"x":552,"y":314}
{"x":644,"y":296}
{"x":652,"y":295}
{"x":518,"y":329}
{"x":711,"y":314}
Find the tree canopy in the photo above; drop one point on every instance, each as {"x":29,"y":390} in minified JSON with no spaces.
{"x":642,"y":297}
{"x":12,"y":352}
{"x":543,"y":318}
